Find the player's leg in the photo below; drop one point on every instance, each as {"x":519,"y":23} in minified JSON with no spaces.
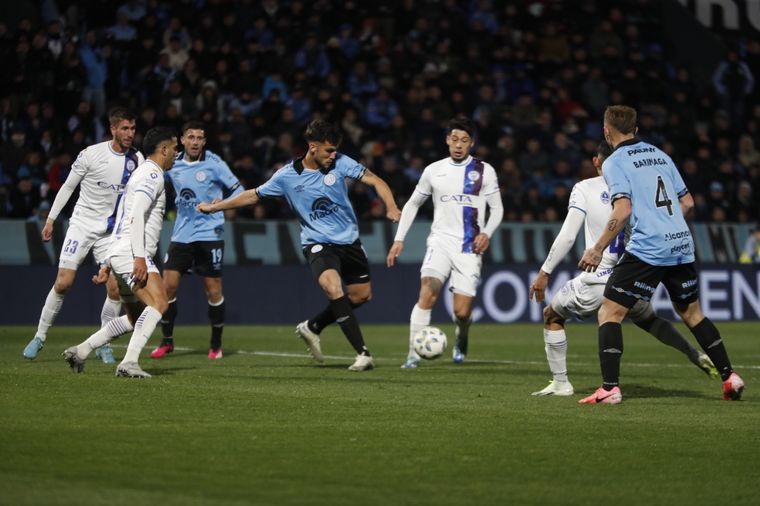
{"x":465,"y":277}
{"x":111,"y":310}
{"x":76,"y":245}
{"x":643,"y":315}
{"x":207,"y":256}
{"x":682,"y":284}
{"x":178,"y":260}
{"x":216,"y":311}
{"x":77,"y":355}
{"x":170,"y":280}
{"x":631,"y":280}
{"x":153,"y":296}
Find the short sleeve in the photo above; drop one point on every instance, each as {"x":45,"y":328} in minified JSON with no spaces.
{"x":678,"y":183}
{"x":273,"y":187}
{"x":348,"y":167}
{"x":490,"y":181}
{"x":423,"y":185}
{"x":228,"y":179}
{"x":616,"y":180}
{"x":81,"y":164}
{"x":578,"y":199}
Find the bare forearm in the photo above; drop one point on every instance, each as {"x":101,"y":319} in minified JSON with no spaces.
{"x":615,"y":224}
{"x":384,"y":192}
{"x":246,"y":198}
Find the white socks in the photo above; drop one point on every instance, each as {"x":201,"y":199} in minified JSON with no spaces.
{"x":144,"y":327}
{"x":111,"y":330}
{"x":111,"y":310}
{"x":556,"y":353}
{"x":419,"y":320}
{"x":53,"y":304}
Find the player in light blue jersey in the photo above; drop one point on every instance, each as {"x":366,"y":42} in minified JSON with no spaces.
{"x":643,"y":181}
{"x":197,"y":244}
{"x":315,"y":187}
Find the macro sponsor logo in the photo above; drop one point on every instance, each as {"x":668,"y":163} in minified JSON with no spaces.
{"x":322,"y":207}
{"x":187,"y":198}
{"x":461,"y":199}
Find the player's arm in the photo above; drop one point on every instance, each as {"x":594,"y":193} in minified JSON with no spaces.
{"x":687,"y":204}
{"x":63,"y":196}
{"x":496,"y":214}
{"x":406,"y":219}
{"x":392,"y":211}
{"x":621,"y":211}
{"x":140,"y":206}
{"x":560,"y":248}
{"x":242,"y":199}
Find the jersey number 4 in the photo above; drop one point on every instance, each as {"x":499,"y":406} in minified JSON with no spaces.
{"x":661,"y":199}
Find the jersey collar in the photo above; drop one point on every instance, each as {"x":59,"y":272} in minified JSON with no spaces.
{"x":181,"y":156}
{"x":629,"y":142}
{"x":299,"y":168}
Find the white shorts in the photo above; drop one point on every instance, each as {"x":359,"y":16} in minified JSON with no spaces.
{"x":580,"y":299}
{"x":122,"y":267}
{"x":444,"y":259}
{"x":78,"y":242}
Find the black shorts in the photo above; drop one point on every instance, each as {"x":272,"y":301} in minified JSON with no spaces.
{"x":348,"y":259}
{"x":202,"y":257}
{"x":633,"y":279}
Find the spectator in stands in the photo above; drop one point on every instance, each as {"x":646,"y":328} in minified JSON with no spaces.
{"x":751,"y":252}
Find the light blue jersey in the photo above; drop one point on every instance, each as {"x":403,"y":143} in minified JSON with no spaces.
{"x":204,"y":180}
{"x":646,"y":175}
{"x":319,"y":198}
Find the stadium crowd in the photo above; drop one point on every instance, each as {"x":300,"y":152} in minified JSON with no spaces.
{"x":534,"y":76}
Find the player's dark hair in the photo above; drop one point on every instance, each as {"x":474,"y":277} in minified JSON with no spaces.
{"x":320,"y":130}
{"x":603,"y":150}
{"x":155,"y":137}
{"x":461,"y":123}
{"x":118,"y":114}
{"x":621,"y":117}
{"x":193,"y":125}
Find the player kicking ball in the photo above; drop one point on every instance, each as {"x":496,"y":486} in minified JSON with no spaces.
{"x":589,"y":207}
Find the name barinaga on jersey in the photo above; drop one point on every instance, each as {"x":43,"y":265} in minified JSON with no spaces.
{"x":646,"y":175}
{"x":459,"y":192}
{"x":104,"y":174}
{"x":147,"y":180}
{"x":205,"y":180}
{"x":319,"y":198}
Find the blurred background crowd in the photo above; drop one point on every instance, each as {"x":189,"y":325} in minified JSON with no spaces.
{"x":535,"y":77}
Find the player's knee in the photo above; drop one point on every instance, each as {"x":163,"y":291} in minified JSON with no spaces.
{"x":551,"y":317}
{"x":62,"y":285}
{"x":360,"y":298}
{"x":161,"y":305}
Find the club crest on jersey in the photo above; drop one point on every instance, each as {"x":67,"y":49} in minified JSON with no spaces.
{"x":200,"y":176}
{"x":153,"y":175}
{"x":605,"y":196}
{"x":130,"y":165}
{"x":329,"y":179}
{"x":473,"y":175}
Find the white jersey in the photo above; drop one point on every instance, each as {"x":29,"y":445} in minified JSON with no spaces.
{"x":459,"y":192}
{"x":592,"y":197}
{"x":104,"y":174}
{"x":147,"y":180}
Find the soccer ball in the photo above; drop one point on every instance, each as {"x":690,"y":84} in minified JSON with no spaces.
{"x":430,"y":343}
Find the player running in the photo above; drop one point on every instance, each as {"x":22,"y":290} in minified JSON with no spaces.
{"x":589,"y":207}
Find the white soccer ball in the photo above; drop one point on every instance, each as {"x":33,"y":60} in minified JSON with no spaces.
{"x":430,"y":343}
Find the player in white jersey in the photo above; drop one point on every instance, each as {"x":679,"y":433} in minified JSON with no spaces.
{"x":589,"y":206}
{"x":135,"y":237}
{"x":101,"y":171}
{"x":461,"y":187}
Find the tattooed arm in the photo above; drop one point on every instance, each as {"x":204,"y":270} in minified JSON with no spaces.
{"x":621,"y":211}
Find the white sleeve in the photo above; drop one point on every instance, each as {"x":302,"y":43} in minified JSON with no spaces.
{"x":496,"y":213}
{"x":64,"y":194}
{"x":140,"y":206}
{"x":408,"y":213}
{"x":565,"y":239}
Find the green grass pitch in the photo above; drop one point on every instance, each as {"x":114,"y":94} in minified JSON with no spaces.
{"x":266,"y":426}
